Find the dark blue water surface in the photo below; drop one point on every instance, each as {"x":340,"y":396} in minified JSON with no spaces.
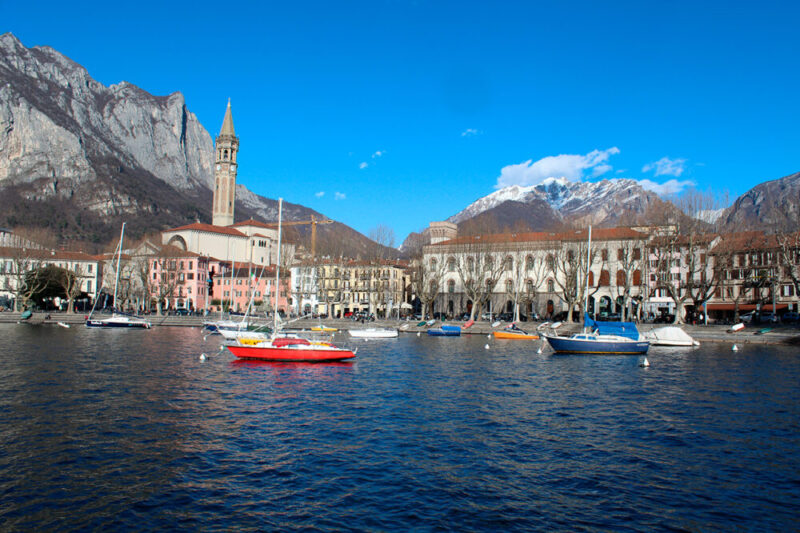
{"x":130,"y":430}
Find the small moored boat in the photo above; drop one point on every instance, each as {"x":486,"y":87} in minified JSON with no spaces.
{"x":373,"y":333}
{"x":445,"y":331}
{"x":513,"y":332}
{"x":670,"y":336}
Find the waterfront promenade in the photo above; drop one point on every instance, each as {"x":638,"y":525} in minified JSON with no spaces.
{"x":779,"y":334}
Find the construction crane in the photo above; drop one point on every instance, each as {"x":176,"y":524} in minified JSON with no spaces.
{"x":314,"y":221}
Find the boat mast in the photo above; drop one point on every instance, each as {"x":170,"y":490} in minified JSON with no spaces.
{"x":277,"y":271}
{"x":119,"y":260}
{"x":588,"y":268}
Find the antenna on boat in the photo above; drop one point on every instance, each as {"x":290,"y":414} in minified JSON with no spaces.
{"x":119,"y":260}
{"x":277,"y":271}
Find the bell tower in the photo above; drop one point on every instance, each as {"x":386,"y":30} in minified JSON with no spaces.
{"x":227,"y":147}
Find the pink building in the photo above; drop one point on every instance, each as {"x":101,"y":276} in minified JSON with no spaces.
{"x":233,"y":289}
{"x":178,"y":279}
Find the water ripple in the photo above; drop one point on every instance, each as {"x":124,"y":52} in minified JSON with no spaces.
{"x":130,"y":430}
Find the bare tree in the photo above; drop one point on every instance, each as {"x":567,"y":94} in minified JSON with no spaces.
{"x":570,"y":266}
{"x":478,"y":269}
{"x":69,"y":280}
{"x":523,"y":275}
{"x":630,"y":263}
{"x":23,"y":261}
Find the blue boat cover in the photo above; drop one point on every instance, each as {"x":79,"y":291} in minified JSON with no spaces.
{"x":451,"y":328}
{"x":623,"y":329}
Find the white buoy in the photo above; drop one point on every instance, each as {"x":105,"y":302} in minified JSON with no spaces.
{"x":489,"y":336}
{"x":202,"y":357}
{"x":486,"y":347}
{"x":645,"y":363}
{"x":205,"y":337}
{"x":735,"y":348}
{"x":418,"y":334}
{"x":221,"y":348}
{"x":539,"y":350}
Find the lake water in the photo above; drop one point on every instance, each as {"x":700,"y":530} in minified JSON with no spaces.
{"x":130,"y":430}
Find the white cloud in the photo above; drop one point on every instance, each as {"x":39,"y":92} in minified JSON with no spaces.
{"x":469,"y":132}
{"x":599,"y":170}
{"x":320,"y":194}
{"x":339,"y":196}
{"x":363,"y":165}
{"x":667,"y":188}
{"x":666,"y":167}
{"x":378,"y":153}
{"x":569,"y":166}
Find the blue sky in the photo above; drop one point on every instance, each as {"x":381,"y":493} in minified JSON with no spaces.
{"x":399,"y":113}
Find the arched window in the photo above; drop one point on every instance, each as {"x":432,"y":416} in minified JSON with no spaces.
{"x":433,"y":263}
{"x":605,"y":278}
{"x":434,"y":286}
{"x":529,"y":286}
{"x":451,"y":264}
{"x":529,"y":262}
{"x":621,"y":278}
{"x":225,"y":155}
{"x":591,"y":279}
{"x":470,"y":264}
{"x":509,"y":287}
{"x":551,"y":286}
{"x":551,"y":263}
{"x":490,"y":284}
{"x":508,"y":263}
{"x":637,"y":277}
{"x":451,"y":286}
{"x":489,"y":262}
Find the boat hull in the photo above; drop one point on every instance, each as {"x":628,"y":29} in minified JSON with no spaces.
{"x":516,"y":335}
{"x":90,"y":323}
{"x":438,"y":332}
{"x":584,"y":346}
{"x":373,"y":333}
{"x":290,"y":354}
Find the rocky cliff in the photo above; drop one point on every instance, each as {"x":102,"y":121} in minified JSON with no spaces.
{"x":78,"y":157}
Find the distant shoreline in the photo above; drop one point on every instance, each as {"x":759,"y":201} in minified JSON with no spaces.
{"x":780,"y":334}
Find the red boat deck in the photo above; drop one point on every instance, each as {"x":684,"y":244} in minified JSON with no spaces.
{"x":296,"y":353}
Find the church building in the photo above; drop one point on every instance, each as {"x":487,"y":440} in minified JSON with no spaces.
{"x":248,"y":241}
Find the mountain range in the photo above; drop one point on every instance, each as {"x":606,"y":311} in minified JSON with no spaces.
{"x":77,"y":157}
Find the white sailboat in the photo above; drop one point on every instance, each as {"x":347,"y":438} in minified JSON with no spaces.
{"x":117,"y":319}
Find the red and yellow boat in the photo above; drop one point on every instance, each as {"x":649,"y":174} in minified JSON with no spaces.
{"x":291,"y":349}
{"x":516,"y":334}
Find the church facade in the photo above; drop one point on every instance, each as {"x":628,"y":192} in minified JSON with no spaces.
{"x":249,"y":241}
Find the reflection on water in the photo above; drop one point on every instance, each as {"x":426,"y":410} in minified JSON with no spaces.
{"x":131,"y":430}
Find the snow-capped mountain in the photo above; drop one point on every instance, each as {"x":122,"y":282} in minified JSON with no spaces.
{"x":601,"y":203}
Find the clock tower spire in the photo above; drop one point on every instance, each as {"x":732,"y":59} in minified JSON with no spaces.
{"x":225,"y":168}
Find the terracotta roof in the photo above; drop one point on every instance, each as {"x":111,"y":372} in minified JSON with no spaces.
{"x":208,"y":228}
{"x":746,"y":241}
{"x":598,"y":234}
{"x":255,"y":223}
{"x":46,"y":255}
{"x":168,"y":250}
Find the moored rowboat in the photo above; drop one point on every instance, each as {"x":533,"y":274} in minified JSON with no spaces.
{"x":517,"y":335}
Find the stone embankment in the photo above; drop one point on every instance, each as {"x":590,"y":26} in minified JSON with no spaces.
{"x":779,"y":334}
